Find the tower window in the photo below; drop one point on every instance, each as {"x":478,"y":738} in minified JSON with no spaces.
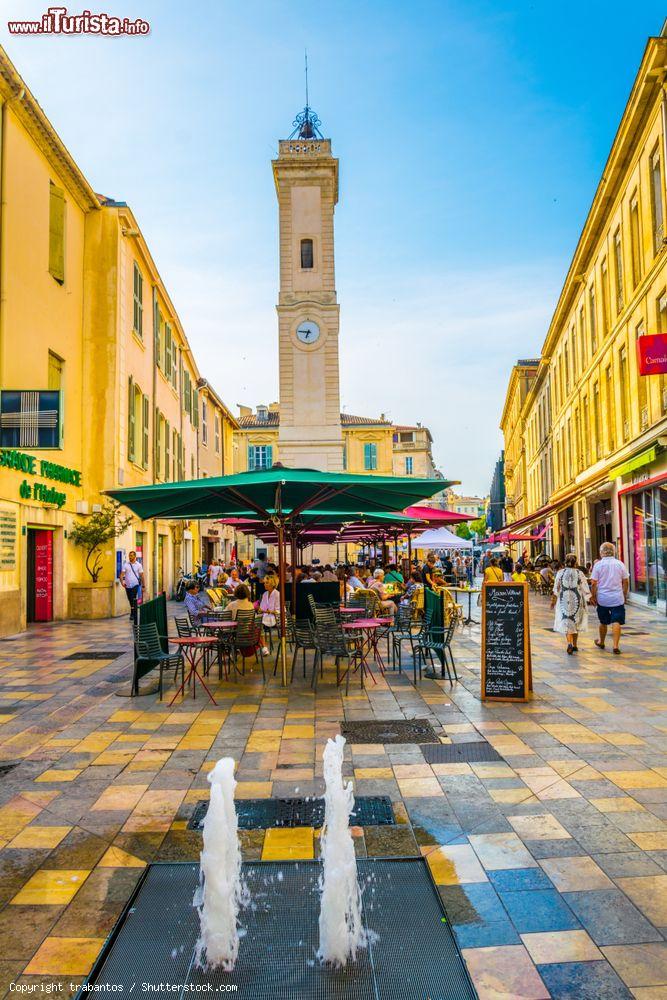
{"x":307,"y":255}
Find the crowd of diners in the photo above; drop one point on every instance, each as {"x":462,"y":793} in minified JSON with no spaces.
{"x":255,"y":584}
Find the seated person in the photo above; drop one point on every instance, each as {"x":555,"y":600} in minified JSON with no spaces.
{"x":197,"y":605}
{"x":242,"y":602}
{"x":393,"y":574}
{"x":519,"y":575}
{"x":377,"y":585}
{"x":232,"y":581}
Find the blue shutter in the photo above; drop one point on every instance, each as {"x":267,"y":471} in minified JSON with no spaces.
{"x":269,"y":456}
{"x":251,"y":458}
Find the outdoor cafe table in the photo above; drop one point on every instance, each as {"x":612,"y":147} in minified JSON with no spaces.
{"x":364,"y":633}
{"x":469,"y":591}
{"x":194,"y":648}
{"x":218,"y":627}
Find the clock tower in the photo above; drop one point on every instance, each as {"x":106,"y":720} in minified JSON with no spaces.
{"x":306,"y":179}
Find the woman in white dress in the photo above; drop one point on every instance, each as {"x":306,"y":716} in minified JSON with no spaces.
{"x":571,"y":596}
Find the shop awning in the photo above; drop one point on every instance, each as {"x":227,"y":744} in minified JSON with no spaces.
{"x":643,"y":458}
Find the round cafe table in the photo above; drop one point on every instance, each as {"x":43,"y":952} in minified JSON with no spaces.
{"x":218,"y":629}
{"x":363,"y":632}
{"x":469,"y":591}
{"x":194,"y":648}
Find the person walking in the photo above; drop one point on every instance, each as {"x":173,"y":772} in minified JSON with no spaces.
{"x":507,"y":566}
{"x":570,"y":596}
{"x":132,"y":578}
{"x":609,"y":586}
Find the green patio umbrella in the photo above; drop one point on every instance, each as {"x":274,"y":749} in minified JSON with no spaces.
{"x":281,"y":496}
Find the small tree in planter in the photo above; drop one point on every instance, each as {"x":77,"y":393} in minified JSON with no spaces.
{"x":96,"y":531}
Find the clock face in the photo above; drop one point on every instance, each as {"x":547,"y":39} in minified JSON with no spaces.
{"x":308,"y":332}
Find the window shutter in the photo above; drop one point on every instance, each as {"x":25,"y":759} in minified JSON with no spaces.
{"x":195,"y":408}
{"x":145,"y":443}
{"x":57,"y":233}
{"x":156,"y":436}
{"x":167,"y":351}
{"x":269,"y":456}
{"x":130,"y":420}
{"x":167,"y":432}
{"x":174,"y":362}
{"x":251,"y":458}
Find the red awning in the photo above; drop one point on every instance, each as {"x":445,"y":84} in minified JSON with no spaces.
{"x":436,"y":516}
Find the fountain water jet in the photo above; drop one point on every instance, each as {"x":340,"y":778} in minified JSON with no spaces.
{"x":221,"y":890}
{"x":341,"y":929}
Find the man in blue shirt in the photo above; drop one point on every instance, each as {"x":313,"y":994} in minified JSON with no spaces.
{"x":196,"y":605}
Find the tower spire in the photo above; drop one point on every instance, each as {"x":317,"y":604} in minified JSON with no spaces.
{"x":306,"y":125}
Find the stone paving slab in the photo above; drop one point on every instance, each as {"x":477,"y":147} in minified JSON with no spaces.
{"x":551,"y":863}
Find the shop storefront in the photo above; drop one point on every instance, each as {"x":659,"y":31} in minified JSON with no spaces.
{"x":646,"y":513}
{"x":643,"y":507}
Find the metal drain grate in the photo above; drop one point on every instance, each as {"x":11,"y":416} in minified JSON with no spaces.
{"x":389,"y":731}
{"x":97,"y":654}
{"x":264,"y":814}
{"x":153,"y":942}
{"x":454,"y":753}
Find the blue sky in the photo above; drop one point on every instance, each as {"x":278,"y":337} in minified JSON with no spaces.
{"x":471,"y":137}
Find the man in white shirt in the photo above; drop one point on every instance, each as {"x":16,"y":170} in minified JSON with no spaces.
{"x":609,"y":588}
{"x":132,"y":577}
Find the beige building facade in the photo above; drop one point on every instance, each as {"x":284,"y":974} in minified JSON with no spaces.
{"x":593,"y":428}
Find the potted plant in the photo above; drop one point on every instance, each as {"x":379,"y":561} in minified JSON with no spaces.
{"x":93,"y":599}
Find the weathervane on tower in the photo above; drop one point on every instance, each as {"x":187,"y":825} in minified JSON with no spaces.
{"x":306,"y":124}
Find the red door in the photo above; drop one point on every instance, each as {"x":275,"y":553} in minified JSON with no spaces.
{"x":43,"y":576}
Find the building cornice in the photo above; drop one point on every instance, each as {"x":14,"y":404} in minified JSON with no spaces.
{"x":28,"y":112}
{"x":645,"y":91}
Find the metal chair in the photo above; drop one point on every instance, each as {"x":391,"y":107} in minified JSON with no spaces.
{"x":415,"y":638}
{"x":150,"y":648}
{"x":400,"y":632}
{"x":331,"y":641}
{"x":304,"y":640}
{"x":247,"y":636}
{"x":438,"y":640}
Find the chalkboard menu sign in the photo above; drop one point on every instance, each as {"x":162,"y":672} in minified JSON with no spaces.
{"x":506,"y":674}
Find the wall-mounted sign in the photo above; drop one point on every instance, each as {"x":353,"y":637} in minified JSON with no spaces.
{"x":22,"y":462}
{"x":32,"y":466}
{"x":652,"y":354}
{"x":8,"y":525}
{"x":41,"y":493}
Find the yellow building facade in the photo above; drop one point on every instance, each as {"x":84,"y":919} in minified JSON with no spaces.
{"x":98,"y":384}
{"x":592,"y":428}
{"x":512,"y":426}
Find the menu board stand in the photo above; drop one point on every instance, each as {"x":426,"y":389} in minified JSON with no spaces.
{"x":506,"y":658}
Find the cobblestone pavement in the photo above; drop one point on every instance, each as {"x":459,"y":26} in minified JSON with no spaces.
{"x":551,"y":863}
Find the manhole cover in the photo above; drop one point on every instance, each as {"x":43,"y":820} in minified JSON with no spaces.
{"x":263,"y":814}
{"x":389,"y":731}
{"x":97,"y":654}
{"x":154,"y":941}
{"x":453,"y":753}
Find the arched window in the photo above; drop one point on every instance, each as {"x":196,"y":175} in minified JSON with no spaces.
{"x":306,"y":254}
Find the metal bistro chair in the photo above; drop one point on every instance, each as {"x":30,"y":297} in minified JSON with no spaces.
{"x":415,"y":638}
{"x":438,"y":640}
{"x":149,"y":648}
{"x":247,"y":635}
{"x":401,"y":631}
{"x":304,"y":640}
{"x":331,"y":641}
{"x":225,"y":648}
